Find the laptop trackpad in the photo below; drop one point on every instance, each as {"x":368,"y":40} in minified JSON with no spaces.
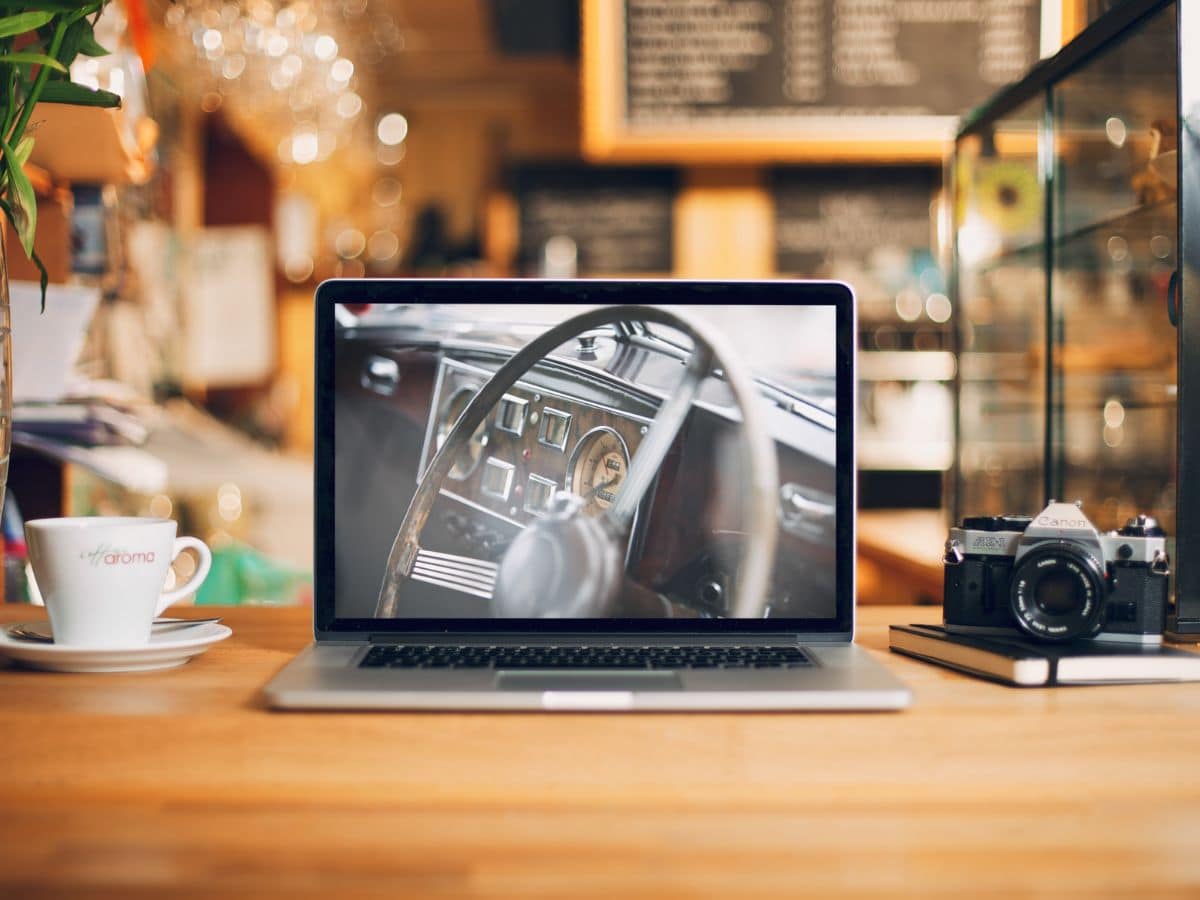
{"x":588,"y":681}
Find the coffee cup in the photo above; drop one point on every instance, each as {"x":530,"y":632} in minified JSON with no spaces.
{"x":102,"y":577}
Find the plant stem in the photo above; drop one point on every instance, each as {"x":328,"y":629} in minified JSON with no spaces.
{"x":12,"y":92}
{"x":60,"y":29}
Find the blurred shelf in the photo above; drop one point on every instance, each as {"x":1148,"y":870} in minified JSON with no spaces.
{"x":1124,"y":219}
{"x":906,"y":365}
{"x":92,"y":145}
{"x":1134,"y":218}
{"x":129,"y":467}
{"x":889,"y":455}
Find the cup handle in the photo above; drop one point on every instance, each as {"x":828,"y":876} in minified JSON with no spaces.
{"x":192,"y":584}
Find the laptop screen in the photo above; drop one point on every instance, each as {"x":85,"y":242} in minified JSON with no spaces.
{"x":584,"y":456}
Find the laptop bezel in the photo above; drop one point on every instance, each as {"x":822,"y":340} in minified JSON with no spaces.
{"x":328,"y":626}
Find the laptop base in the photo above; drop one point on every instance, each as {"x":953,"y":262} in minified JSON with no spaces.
{"x":844,"y":678}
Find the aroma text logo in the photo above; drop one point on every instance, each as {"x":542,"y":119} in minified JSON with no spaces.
{"x":107,"y":555}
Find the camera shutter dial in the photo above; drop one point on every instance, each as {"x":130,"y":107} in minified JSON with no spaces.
{"x":1142,"y":526}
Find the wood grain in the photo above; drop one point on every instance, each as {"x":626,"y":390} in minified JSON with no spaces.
{"x":181,"y":784}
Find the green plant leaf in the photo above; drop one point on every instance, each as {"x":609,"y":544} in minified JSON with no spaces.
{"x":11,"y":26}
{"x":80,"y":36}
{"x":77,"y":95}
{"x":47,"y":5}
{"x":38,"y":59}
{"x":89,"y":46}
{"x":44,"y":276}
{"x":24,"y":208}
{"x":23,"y":201}
{"x":72,"y":37}
{"x":87,"y":9}
{"x":23,"y":150}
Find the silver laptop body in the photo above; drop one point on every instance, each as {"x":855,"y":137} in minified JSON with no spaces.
{"x":584,"y":495}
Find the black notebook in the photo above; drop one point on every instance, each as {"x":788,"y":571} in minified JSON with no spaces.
{"x":1027,"y":663}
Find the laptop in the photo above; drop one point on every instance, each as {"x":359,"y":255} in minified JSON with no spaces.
{"x":584,"y":495}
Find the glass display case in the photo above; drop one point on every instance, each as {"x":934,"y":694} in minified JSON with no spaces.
{"x":878,"y":228}
{"x":1071,"y":267}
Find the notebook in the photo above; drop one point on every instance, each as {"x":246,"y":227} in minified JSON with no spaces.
{"x":1028,"y":663}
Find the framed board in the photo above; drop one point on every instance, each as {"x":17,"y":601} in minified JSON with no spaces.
{"x":824,"y":215}
{"x":616,"y":221}
{"x":711,"y":81}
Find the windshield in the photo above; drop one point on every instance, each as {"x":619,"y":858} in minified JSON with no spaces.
{"x":794,"y":354}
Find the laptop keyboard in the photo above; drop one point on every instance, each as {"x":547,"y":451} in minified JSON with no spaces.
{"x":475,"y":656}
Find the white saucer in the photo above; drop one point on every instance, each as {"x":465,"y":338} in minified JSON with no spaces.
{"x":164,"y":651}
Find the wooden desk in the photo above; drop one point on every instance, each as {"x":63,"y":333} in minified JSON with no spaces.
{"x":180,"y":784}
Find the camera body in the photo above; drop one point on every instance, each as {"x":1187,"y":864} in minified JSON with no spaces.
{"x":1054,"y":577}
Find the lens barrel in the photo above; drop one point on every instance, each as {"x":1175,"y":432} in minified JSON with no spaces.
{"x":1058,"y":592}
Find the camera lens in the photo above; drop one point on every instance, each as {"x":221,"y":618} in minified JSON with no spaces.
{"x":1058,"y":592}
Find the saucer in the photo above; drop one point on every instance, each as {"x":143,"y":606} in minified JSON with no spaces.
{"x":163,"y":651}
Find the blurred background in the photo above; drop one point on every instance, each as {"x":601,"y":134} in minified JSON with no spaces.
{"x":265,"y":145}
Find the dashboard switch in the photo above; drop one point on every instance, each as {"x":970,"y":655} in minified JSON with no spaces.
{"x":806,"y":512}
{"x":381,"y":375}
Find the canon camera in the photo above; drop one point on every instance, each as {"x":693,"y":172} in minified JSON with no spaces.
{"x":1056,"y":578}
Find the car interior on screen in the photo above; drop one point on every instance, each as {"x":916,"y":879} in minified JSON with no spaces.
{"x":544,"y":461}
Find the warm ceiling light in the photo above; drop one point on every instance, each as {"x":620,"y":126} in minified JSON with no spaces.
{"x":383,"y":245}
{"x":392,"y":129}
{"x":386,"y":192}
{"x":233,"y":66}
{"x":350,"y":243}
{"x":389,"y":156}
{"x":305,"y":147}
{"x":349,"y":105}
{"x":325,"y":48}
{"x":938,"y":308}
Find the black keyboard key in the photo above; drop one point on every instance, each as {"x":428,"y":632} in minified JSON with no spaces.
{"x":475,"y":656}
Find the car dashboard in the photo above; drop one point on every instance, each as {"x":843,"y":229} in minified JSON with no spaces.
{"x":539,"y":440}
{"x":572,"y":424}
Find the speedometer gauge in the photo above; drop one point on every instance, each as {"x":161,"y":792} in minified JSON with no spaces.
{"x":597,"y":469}
{"x":468,"y":458}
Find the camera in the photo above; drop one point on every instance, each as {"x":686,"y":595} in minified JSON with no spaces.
{"x":1055,"y":577}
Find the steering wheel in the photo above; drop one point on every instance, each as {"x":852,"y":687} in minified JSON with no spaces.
{"x":571,"y":565}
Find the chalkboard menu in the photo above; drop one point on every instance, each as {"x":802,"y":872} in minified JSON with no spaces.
{"x":796,"y":79}
{"x":870,"y":226}
{"x":614,"y":221}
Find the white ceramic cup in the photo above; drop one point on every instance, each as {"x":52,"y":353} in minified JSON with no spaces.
{"x":102,"y":577}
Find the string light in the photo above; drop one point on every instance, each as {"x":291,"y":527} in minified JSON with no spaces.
{"x":287,"y":74}
{"x":392,"y":129}
{"x":285,"y":68}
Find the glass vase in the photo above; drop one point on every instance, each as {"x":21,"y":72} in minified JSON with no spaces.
{"x":6,"y":395}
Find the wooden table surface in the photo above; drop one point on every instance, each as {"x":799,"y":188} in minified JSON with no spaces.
{"x":181,"y":784}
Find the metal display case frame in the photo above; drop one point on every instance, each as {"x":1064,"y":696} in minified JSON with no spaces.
{"x":1107,"y":33}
